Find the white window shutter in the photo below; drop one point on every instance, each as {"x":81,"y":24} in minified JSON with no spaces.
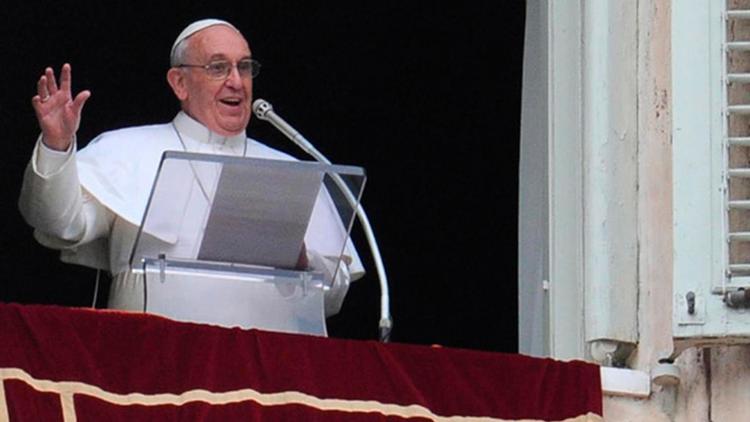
{"x":711,"y":172}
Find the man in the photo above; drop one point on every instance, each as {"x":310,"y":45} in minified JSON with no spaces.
{"x":89,"y":204}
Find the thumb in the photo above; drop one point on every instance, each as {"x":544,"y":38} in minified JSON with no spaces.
{"x":80,"y":100}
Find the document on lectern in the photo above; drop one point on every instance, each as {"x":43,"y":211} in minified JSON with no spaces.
{"x":258,"y":222}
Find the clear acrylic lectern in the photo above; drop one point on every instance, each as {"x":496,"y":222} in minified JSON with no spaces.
{"x":225,"y":240}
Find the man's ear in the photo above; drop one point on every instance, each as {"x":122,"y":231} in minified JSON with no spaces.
{"x":176,"y":79}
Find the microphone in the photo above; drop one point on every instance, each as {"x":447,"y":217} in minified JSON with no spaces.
{"x":264,"y":111}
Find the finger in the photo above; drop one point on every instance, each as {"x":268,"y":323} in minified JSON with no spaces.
{"x":51,"y":83}
{"x":41,"y":87}
{"x":65,"y":78}
{"x":35,"y":101}
{"x":36,"y":104}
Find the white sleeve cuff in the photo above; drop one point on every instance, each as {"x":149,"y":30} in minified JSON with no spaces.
{"x":50,"y":161}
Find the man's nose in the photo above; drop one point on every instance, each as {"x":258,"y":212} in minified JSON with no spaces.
{"x":234,"y":79}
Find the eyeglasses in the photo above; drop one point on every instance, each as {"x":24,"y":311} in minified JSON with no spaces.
{"x":220,"y":69}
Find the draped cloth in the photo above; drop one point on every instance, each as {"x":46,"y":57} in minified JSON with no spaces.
{"x":64,"y":364}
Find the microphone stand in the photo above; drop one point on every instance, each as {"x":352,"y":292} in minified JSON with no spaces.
{"x":264,"y":111}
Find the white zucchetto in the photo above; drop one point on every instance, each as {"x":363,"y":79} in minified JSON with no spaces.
{"x":195,"y":27}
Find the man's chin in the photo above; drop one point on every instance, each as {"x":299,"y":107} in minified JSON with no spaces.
{"x":231,"y":127}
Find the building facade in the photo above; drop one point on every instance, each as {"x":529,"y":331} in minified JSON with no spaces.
{"x":635,"y":201}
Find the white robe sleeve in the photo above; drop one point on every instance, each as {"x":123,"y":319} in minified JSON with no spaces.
{"x":62,"y":214}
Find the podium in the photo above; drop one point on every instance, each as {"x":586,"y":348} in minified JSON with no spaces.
{"x":245,"y":242}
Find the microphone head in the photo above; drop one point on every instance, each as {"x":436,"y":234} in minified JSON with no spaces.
{"x":261,"y":108}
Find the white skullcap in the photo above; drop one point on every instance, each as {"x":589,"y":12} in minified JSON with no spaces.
{"x":195,"y":27}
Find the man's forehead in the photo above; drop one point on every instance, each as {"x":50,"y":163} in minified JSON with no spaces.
{"x":207,"y":37}
{"x":219,"y":40}
{"x":197,"y":26}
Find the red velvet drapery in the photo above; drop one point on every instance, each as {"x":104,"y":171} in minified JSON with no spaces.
{"x":65,"y":364}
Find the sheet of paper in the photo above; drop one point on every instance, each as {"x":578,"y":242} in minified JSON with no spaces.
{"x":260,"y":215}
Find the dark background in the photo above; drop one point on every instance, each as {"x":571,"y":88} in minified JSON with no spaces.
{"x":426,"y":98}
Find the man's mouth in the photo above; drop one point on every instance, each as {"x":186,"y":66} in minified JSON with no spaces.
{"x":232,"y":102}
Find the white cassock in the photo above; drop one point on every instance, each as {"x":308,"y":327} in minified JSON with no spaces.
{"x":89,"y":204}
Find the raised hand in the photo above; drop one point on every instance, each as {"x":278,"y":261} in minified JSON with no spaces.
{"x":58,"y":113}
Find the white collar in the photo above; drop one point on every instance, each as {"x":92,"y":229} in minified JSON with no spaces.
{"x":196,"y":131}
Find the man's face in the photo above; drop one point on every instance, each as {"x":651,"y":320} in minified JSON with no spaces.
{"x":223,"y":105}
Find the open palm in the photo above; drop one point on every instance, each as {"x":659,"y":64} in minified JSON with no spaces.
{"x":58,"y":113}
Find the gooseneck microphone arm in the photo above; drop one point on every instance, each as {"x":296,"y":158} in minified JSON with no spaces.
{"x":264,"y":111}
